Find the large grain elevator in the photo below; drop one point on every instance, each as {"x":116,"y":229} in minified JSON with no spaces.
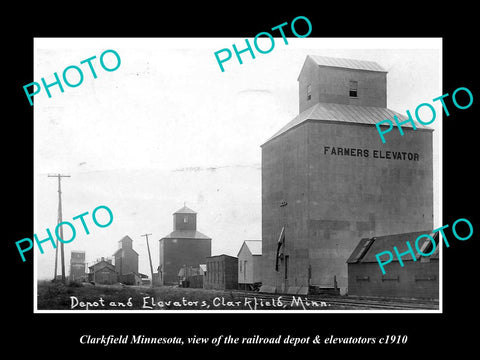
{"x":328,"y":181}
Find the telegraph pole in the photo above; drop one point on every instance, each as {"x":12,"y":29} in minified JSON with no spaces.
{"x":59,"y":220}
{"x":149,"y":256}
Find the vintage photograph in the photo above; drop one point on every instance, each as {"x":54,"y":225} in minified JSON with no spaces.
{"x":169,"y":179}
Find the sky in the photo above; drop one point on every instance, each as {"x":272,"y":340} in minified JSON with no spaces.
{"x":168,"y":127}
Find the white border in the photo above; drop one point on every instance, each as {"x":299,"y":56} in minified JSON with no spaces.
{"x":214,"y":43}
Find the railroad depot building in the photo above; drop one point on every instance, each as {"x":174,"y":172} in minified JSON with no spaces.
{"x":328,"y":180}
{"x":103,"y":272}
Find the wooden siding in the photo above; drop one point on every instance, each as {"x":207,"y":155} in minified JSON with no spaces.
{"x":222,"y":273}
{"x":414,"y":280}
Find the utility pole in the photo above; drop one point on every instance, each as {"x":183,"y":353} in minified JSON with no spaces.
{"x":149,"y":256}
{"x":59,"y":220}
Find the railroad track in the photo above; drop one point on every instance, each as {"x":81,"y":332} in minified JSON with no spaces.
{"x":311,"y":302}
{"x":381,"y":305}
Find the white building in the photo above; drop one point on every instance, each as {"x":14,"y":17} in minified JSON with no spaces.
{"x":249,"y":264}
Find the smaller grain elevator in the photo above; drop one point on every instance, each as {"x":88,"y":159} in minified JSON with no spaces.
{"x":126,"y":259}
{"x":183,"y":247}
{"x":77,"y":266}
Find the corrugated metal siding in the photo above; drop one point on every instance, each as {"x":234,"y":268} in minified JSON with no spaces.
{"x":347,"y":63}
{"x":345,"y":113}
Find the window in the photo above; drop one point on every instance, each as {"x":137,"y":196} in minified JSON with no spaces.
{"x":353,"y":92}
{"x":309,"y":92}
{"x":240,"y":266}
{"x":185,"y":219}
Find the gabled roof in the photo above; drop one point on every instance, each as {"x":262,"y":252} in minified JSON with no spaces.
{"x":254,"y":246}
{"x":346,"y":114}
{"x":126,"y":238}
{"x":140,"y":275}
{"x":346,"y":63}
{"x":368,"y":248}
{"x":184,"y":210}
{"x":119,"y":250}
{"x":102,"y":264}
{"x":186,"y":234}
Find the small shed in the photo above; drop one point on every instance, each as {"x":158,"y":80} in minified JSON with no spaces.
{"x":194,"y":281}
{"x":249,"y":265}
{"x":132,"y":278}
{"x":221,"y":272}
{"x":417,"y":278}
{"x":190,"y":276}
